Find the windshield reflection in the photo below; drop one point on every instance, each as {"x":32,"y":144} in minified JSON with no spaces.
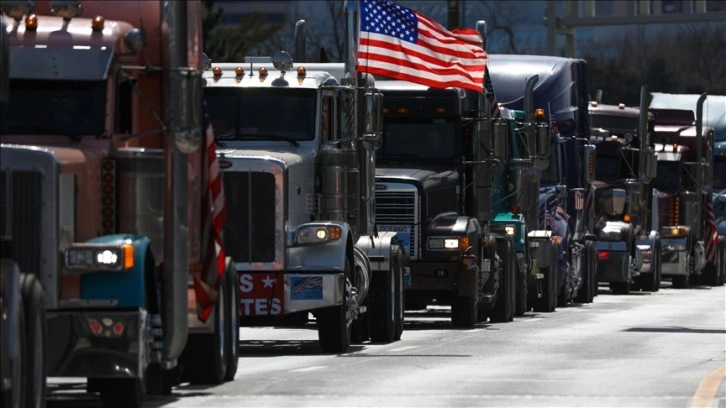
{"x":418,"y":141}
{"x":270,"y":114}
{"x":55,"y":107}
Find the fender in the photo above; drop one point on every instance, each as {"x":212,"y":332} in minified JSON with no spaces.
{"x":325,"y":255}
{"x":378,"y":249}
{"x":126,"y":288}
{"x":646,"y":245}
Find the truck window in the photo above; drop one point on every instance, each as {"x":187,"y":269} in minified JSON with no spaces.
{"x":617,"y":125}
{"x":416,"y":140}
{"x":667,"y":175}
{"x":607,"y":168}
{"x":55,"y":107}
{"x":252,"y":114}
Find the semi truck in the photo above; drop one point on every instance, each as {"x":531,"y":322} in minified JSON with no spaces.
{"x":566,"y":191}
{"x":451,"y":180}
{"x":685,"y":149}
{"x":105,"y":196}
{"x":296,"y":145}
{"x":628,"y":244}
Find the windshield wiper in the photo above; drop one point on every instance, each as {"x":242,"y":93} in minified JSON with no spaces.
{"x":268,"y":136}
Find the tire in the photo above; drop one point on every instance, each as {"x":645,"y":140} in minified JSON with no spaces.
{"x":382,"y":306}
{"x":507,"y":291}
{"x":121,"y":392}
{"x":586,"y":293}
{"x":650,"y":282}
{"x":620,"y":288}
{"x":397,"y":255}
{"x":16,"y":396}
{"x":232,"y":327}
{"x":334,"y":329}
{"x":35,"y":338}
{"x":548,"y":302}
{"x":521,"y":306}
{"x":684,"y":281}
{"x":463,"y":312}
{"x":205,"y":353}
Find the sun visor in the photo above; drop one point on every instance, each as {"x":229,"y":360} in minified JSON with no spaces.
{"x":60,"y":63}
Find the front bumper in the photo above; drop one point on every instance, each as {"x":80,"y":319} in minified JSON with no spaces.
{"x":74,"y":350}
{"x":614,"y":260}
{"x":674,"y":257}
{"x":443,"y":279}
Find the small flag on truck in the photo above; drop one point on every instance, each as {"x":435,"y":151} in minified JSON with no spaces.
{"x":401,"y":43}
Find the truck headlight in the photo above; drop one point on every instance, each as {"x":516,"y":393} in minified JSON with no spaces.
{"x":441,"y":243}
{"x":100,"y":257}
{"x":511,"y":230}
{"x":317,"y":234}
{"x":673,"y":232}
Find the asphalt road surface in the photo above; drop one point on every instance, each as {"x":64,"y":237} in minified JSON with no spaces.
{"x":664,"y":349}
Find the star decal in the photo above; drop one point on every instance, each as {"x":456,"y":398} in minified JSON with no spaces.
{"x":268,"y":281}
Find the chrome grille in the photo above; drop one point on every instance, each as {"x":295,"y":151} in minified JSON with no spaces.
{"x":399,"y":207}
{"x":249,"y":233}
{"x":21,"y":216}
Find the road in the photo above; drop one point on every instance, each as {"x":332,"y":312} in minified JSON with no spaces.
{"x":664,"y":349}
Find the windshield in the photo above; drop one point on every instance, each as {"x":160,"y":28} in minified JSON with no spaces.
{"x":667,"y":175}
{"x":262,"y":114}
{"x":607,"y":168}
{"x":615,"y":124}
{"x":55,"y":107}
{"x":416,"y":140}
{"x":719,"y":172}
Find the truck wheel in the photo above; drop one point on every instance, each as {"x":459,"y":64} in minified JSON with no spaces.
{"x":18,"y":392}
{"x":507,"y":292}
{"x":121,"y":392}
{"x":620,"y":288}
{"x":232,"y":320}
{"x":586,"y":292}
{"x":35,"y":362}
{"x":205,"y":353}
{"x":684,"y":281}
{"x":382,"y":306}
{"x":397,"y":254}
{"x":521,"y":306}
{"x":463,"y":312}
{"x":334,"y":327}
{"x":548,"y":302}
{"x":650,"y":282}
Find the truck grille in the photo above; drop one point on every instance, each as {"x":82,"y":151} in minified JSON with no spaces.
{"x":20,"y":216}
{"x":249,"y":233}
{"x":399,"y":208}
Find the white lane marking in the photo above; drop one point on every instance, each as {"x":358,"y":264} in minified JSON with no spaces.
{"x":311,"y":368}
{"x":404,"y":348}
{"x":534,"y":319}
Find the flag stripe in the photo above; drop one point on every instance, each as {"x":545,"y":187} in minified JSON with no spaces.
{"x":711,"y":237}
{"x":400,"y":43}
{"x":214,"y":211}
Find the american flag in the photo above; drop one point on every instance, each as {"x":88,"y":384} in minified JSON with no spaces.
{"x":400,"y":43}
{"x":214,"y":211}
{"x":711,"y":238}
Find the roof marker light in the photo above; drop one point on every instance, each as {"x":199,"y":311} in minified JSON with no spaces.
{"x":97,"y":23}
{"x":31,"y":22}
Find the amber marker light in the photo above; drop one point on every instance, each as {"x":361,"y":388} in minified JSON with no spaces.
{"x":301,"y":71}
{"x":31,"y":22}
{"x":217,"y":72}
{"x":97,"y":23}
{"x":262,"y":71}
{"x":626,"y":217}
{"x":539,"y":113}
{"x":239,"y":71}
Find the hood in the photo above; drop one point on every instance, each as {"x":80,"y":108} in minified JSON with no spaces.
{"x":422,"y":176}
{"x":291,"y":157}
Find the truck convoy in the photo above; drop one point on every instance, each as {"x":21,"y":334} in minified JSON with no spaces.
{"x":296,"y":146}
{"x":628,"y":244}
{"x":105,"y":196}
{"x":687,"y":155}
{"x":566,"y":184}
{"x":447,"y":182}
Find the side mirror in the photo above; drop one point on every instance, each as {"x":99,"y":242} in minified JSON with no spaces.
{"x":561,"y":193}
{"x":4,"y":64}
{"x":544,"y":142}
{"x":187,"y":130}
{"x":373,"y":118}
{"x":589,"y":162}
{"x":646,"y":166}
